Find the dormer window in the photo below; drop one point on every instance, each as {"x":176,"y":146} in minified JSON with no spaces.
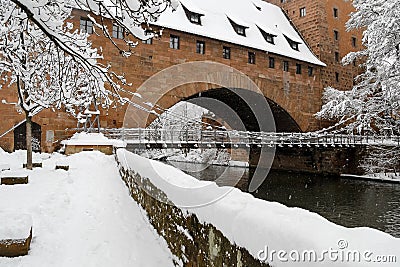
{"x":239,"y":29}
{"x":293,"y":44}
{"x":193,"y":17}
{"x":267,"y":36}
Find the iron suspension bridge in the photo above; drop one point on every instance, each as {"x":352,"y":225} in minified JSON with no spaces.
{"x":199,"y":138}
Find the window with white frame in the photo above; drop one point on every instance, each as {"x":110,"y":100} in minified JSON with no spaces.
{"x":252,"y":58}
{"x":148,"y":41}
{"x":271,"y":62}
{"x":200,"y":47}
{"x":86,"y":25}
{"x":285,"y":65}
{"x":117,"y":32}
{"x":226,"y":52}
{"x":302,"y":12}
{"x":174,"y":42}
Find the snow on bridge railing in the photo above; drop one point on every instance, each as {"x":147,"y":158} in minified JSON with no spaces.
{"x":173,"y":136}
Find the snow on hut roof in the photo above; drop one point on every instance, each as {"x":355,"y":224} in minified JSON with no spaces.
{"x":252,"y":14}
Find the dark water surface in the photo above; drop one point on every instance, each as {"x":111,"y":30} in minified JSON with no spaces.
{"x":350,"y":203}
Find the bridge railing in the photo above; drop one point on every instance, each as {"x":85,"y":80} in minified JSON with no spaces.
{"x":174,"y":136}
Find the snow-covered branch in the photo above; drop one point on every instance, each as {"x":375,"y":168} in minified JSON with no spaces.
{"x":55,"y":63}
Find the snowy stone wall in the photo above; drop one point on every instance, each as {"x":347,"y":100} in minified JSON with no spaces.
{"x":193,"y":242}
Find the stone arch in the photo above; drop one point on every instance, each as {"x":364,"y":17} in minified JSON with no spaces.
{"x":284,"y":122}
{"x":205,"y":79}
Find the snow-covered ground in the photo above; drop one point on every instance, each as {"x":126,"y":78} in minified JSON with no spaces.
{"x":83,"y":217}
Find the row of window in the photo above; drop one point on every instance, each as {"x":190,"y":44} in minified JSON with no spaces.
{"x":226,"y":54}
{"x":336,"y":38}
{"x":303,"y":12}
{"x":118,"y":32}
{"x":86,"y":26}
{"x":195,"y":18}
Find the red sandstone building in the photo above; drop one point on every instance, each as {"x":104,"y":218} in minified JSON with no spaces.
{"x":290,"y":53}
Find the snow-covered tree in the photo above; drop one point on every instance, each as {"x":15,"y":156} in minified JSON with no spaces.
{"x":51,"y":64}
{"x":373,"y":105}
{"x":380,"y":159}
{"x":50,"y":15}
{"x":374,"y":102}
{"x":42,"y":73}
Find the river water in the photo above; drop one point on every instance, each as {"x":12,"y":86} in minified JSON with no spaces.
{"x":351,"y":203}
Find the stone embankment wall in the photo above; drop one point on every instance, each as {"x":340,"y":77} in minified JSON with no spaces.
{"x":317,"y":160}
{"x":193,"y":242}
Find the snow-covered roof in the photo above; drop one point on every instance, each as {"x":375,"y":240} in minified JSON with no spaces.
{"x":254,"y":14}
{"x":192,"y":7}
{"x":90,"y":139}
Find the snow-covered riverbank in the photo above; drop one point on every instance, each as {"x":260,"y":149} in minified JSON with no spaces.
{"x":83,"y":217}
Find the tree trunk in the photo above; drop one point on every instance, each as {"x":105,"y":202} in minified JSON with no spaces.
{"x":28,"y":142}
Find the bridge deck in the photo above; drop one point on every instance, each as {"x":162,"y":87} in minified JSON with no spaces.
{"x":161,"y":139}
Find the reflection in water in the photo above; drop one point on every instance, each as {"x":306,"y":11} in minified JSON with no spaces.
{"x":350,"y":203}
